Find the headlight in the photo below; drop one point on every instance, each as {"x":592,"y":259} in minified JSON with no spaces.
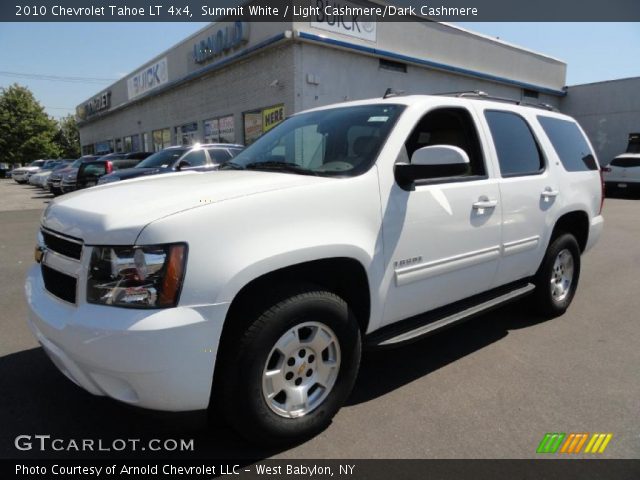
{"x":138,"y":277}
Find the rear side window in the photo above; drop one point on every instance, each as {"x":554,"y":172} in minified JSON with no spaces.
{"x":94,"y":169}
{"x":196,"y":158}
{"x":625,"y":162}
{"x":219,"y":155}
{"x":517,"y":149}
{"x":569,"y":143}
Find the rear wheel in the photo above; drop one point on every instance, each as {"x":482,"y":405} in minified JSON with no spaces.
{"x":557,"y":278}
{"x":294,"y":367}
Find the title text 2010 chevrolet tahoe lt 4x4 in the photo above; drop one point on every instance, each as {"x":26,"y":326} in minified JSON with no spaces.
{"x":365,"y":223}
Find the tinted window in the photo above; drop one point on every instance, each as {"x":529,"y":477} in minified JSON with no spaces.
{"x":124,"y":163}
{"x":449,"y":126}
{"x":138,"y":155}
{"x":163,"y":158}
{"x":93,"y":169}
{"x":518,"y":152}
{"x":219,"y":155}
{"x":196,"y":158}
{"x":625,"y":162}
{"x":569,"y":143}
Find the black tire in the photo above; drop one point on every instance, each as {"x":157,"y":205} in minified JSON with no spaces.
{"x":544,"y":301}
{"x":243,"y":402}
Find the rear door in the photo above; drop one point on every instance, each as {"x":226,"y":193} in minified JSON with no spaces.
{"x":528,"y":192}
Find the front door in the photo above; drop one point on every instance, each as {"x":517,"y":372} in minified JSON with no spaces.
{"x":442,"y":239}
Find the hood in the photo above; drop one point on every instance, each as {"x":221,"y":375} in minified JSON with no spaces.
{"x":115,"y":213}
{"x":27,"y":169}
{"x":127,"y":173}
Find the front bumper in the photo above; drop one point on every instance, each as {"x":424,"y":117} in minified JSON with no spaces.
{"x":67,"y":187}
{"x":158,"y":359}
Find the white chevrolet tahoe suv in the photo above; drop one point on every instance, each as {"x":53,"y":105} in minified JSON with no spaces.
{"x":363,"y":224}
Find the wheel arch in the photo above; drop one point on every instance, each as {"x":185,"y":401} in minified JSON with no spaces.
{"x":344,"y":276}
{"x":576,"y":223}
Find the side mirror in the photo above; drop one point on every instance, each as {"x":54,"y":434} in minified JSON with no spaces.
{"x":182,"y":164}
{"x":435,"y":161}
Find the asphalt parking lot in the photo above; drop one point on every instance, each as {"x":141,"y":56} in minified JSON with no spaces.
{"x":490,"y":388}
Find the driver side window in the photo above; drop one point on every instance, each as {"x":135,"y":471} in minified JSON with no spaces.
{"x":449,"y":126}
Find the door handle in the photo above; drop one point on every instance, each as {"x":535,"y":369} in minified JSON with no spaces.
{"x":485,"y":203}
{"x":548,"y":192}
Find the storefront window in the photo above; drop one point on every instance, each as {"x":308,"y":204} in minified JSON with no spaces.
{"x":88,"y":149}
{"x":146,"y":142}
{"x":258,"y":122}
{"x":161,"y":139}
{"x":227,"y":130}
{"x":187,"y":134}
{"x":118,"y":145}
{"x":219,"y":130}
{"x":102,"y":147}
{"x":135,"y":143}
{"x":252,"y":127}
{"x":211,"y":131}
{"x":127,"y":144}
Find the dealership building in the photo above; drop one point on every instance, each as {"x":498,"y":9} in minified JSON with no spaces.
{"x":233,"y":81}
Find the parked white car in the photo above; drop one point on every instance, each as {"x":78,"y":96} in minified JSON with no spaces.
{"x":623,"y":173}
{"x":22,"y":174}
{"x":369,"y":223}
{"x":39,"y":179}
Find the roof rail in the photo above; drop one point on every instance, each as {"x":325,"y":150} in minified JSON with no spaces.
{"x":485,"y":96}
{"x":390,"y":92}
{"x":464,"y":93}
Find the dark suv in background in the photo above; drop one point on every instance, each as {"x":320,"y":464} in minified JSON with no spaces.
{"x":90,"y":172}
{"x":54,"y":182}
{"x":199,"y":157}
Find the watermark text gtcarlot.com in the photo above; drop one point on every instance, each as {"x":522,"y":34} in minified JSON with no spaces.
{"x":46,"y":443}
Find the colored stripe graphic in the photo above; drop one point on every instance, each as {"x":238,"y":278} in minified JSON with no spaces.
{"x":550,"y":442}
{"x":598,"y":443}
{"x":574,"y":443}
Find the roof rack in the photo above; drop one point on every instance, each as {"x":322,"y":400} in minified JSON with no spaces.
{"x":390,"y":92}
{"x":485,"y":96}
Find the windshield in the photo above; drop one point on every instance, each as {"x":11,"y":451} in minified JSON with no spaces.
{"x":61,"y":166}
{"x":162,"y":159}
{"x":340,"y":141}
{"x":37,"y":163}
{"x":50,"y":166}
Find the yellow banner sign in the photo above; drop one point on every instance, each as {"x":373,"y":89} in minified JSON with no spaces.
{"x":271,"y":117}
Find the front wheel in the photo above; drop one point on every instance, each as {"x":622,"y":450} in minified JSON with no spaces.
{"x":557,"y":278}
{"x":294,"y":367}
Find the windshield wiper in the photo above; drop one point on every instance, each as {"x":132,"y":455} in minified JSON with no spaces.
{"x":280,"y":166}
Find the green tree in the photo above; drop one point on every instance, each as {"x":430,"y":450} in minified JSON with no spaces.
{"x":68,"y":138}
{"x":26,"y":131}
